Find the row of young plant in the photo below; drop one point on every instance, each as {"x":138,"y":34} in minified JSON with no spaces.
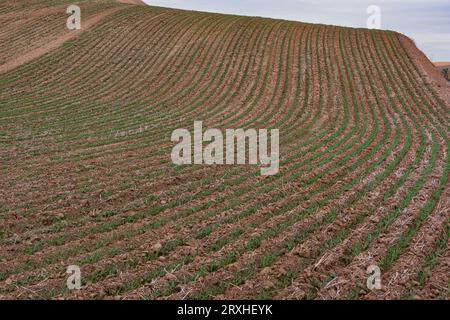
{"x":390,"y":218}
{"x":238,"y":232}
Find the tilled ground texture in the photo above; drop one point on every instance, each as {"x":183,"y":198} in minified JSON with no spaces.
{"x":87,"y":178}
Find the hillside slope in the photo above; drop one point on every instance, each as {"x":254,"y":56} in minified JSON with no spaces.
{"x":87,"y":178}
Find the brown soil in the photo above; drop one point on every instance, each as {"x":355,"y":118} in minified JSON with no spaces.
{"x":132,"y":2}
{"x":52,"y":45}
{"x":441,"y":64}
{"x":72,"y":193}
{"x":431,"y":75}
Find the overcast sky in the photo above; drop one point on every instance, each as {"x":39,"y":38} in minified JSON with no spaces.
{"x":426,"y":21}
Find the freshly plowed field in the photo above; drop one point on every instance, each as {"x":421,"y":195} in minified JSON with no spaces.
{"x":87,"y":178}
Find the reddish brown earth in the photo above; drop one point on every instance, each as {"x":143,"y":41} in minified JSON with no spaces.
{"x":132,"y":2}
{"x":56,"y":43}
{"x":364,"y":137}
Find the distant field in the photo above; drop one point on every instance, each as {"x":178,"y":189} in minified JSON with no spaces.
{"x":364,"y":146}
